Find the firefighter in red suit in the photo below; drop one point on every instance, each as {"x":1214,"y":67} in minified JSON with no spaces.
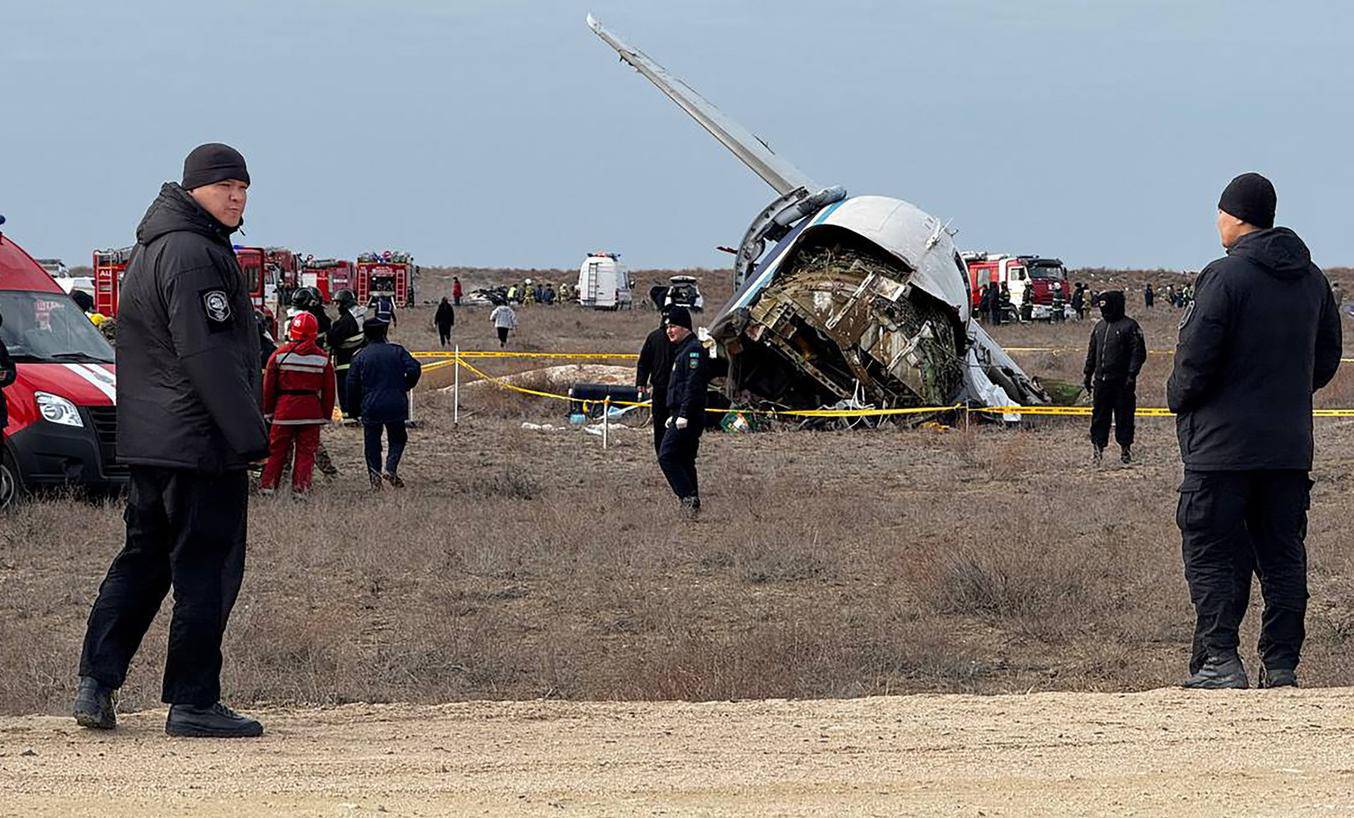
{"x":298,"y":399}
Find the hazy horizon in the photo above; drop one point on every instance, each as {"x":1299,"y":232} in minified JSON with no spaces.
{"x":505,"y":134}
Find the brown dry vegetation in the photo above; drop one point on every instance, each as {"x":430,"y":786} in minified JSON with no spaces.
{"x":535,"y":564}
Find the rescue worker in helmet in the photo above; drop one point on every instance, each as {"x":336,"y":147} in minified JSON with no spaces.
{"x":310,"y":301}
{"x":298,"y":399}
{"x":345,"y":339}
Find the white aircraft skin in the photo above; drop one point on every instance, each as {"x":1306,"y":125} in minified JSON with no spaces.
{"x":919,"y":240}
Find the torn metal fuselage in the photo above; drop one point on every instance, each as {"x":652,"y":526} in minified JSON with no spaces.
{"x":863,"y":302}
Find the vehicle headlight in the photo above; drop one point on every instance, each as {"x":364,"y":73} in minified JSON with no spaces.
{"x":57,"y":409}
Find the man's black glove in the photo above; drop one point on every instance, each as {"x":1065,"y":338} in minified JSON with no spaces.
{"x":1087,"y":385}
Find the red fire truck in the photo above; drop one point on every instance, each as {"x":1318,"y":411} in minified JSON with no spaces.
{"x":327,"y":275}
{"x":109,"y":265}
{"x":283,"y":266}
{"x":389,"y":273}
{"x":1045,"y":279}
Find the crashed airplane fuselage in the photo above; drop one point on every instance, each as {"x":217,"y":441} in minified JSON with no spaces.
{"x":859,"y":300}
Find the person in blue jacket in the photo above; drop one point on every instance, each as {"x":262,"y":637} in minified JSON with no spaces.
{"x":379,"y":381}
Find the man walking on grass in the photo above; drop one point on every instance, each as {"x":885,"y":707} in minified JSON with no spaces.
{"x":1261,"y":334}
{"x":189,"y":425}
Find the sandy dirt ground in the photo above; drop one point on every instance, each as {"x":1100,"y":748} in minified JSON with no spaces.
{"x":1162,"y":752}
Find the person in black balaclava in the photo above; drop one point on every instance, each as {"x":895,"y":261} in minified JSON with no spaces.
{"x":1261,"y":334}
{"x":1113,"y":360}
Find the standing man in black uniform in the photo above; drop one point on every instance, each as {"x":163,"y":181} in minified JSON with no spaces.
{"x":345,"y":340}
{"x":686,"y":410}
{"x":189,"y":425}
{"x":1261,"y":335}
{"x":652,"y":374}
{"x":1113,"y":361}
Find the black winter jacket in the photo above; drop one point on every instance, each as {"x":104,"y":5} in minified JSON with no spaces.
{"x":655,"y":363}
{"x":188,"y":347}
{"x":1262,"y":334}
{"x":686,"y":386}
{"x":446,"y":315}
{"x":379,"y":382}
{"x":345,"y":339}
{"x":1117,"y":350}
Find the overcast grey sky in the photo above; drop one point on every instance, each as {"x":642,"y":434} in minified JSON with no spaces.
{"x":505,"y":133}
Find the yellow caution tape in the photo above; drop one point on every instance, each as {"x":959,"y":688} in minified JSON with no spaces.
{"x":1051,"y":411}
{"x":601,"y":356}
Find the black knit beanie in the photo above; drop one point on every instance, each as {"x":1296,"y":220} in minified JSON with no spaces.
{"x":679,"y":317}
{"x":212,"y":163}
{"x":1251,"y":198}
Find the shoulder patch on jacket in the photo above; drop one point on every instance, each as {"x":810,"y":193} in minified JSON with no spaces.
{"x":216,"y":306}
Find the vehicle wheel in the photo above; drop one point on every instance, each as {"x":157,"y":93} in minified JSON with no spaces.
{"x":11,"y":484}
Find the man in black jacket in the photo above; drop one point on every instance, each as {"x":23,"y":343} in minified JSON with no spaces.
{"x":686,"y":410}
{"x":1113,"y":361}
{"x":345,"y":340}
{"x":189,"y":425}
{"x":1260,"y":336}
{"x":652,"y":374}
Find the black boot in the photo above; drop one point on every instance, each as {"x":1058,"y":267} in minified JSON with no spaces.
{"x":214,"y":721}
{"x":1220,"y":672}
{"x":692,"y":506}
{"x":1278,"y":677}
{"x":1097,"y":455}
{"x":94,"y":705}
{"x":375,"y":478}
{"x":1125,"y":454}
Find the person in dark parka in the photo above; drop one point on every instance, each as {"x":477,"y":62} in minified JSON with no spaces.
{"x":686,"y":409}
{"x":1113,"y":360}
{"x":1261,"y":334}
{"x":189,"y":425}
{"x":652,"y":374}
{"x":379,"y":382}
{"x":445,"y":319}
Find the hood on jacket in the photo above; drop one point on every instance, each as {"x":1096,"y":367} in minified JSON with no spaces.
{"x":174,"y":210}
{"x":1278,"y":251}
{"x":1112,"y":305}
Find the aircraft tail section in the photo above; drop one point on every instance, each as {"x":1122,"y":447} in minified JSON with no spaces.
{"x":747,"y":146}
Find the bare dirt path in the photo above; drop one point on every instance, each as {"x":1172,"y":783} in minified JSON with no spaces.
{"x":1164,"y":752}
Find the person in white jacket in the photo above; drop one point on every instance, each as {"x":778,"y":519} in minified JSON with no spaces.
{"x":505,"y":320}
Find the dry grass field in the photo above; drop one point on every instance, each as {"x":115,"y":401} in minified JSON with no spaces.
{"x":534,"y":564}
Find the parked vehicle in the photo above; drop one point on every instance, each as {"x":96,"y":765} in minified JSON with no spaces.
{"x":1043,"y":279}
{"x":390,"y":273}
{"x":604,"y":283}
{"x":61,"y":274}
{"x":62,"y":427}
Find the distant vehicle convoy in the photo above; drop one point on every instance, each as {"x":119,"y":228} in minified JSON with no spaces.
{"x":61,"y":274}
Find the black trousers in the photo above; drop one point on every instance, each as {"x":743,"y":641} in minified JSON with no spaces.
{"x":1117,"y":401}
{"x":1233,"y":524}
{"x":185,"y":530}
{"x":398,"y":436}
{"x":677,"y":459}
{"x":660,"y":421}
{"x":443,"y":334}
{"x":502,"y":337}
{"x":341,"y":384}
